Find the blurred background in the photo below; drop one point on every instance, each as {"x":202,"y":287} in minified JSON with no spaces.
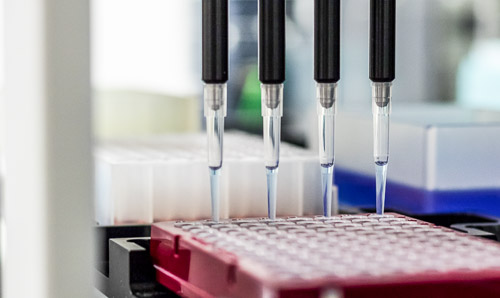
{"x":146,"y":62}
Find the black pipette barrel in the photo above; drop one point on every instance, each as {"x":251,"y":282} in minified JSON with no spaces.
{"x":382,"y":73}
{"x":327,"y":41}
{"x":215,"y":41}
{"x":382,"y":40}
{"x":272,"y":41}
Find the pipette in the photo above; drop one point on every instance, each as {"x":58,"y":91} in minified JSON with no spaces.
{"x":215,"y":76}
{"x":272,"y":76}
{"x":382,"y":73}
{"x":326,"y":74}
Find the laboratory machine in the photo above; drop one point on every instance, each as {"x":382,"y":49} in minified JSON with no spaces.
{"x":170,"y":229}
{"x":237,"y":202}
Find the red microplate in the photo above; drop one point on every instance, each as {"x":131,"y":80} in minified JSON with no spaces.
{"x":364,"y":255}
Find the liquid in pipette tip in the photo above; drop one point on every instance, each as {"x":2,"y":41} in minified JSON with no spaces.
{"x":326,"y":186}
{"x":381,"y":182}
{"x":215,"y":192}
{"x":272,"y":187}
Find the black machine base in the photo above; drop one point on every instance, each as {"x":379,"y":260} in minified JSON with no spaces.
{"x":124,"y":268}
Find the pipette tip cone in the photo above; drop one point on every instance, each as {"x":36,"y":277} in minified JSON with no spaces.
{"x":381,"y":183}
{"x":272,"y":187}
{"x":326,"y":186}
{"x":215,"y":193}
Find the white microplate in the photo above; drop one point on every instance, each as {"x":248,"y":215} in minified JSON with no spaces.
{"x":166,"y":178}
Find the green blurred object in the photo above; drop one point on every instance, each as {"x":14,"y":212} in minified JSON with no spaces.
{"x":125,"y":113}
{"x":248,"y":112}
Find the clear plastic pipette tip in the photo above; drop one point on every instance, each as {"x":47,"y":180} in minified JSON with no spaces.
{"x":215,"y":111}
{"x":381,"y":109}
{"x":326,"y":94}
{"x":215,"y":192}
{"x":381,"y":182}
{"x":272,"y":111}
{"x":272,"y":188}
{"x":326,"y":184}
